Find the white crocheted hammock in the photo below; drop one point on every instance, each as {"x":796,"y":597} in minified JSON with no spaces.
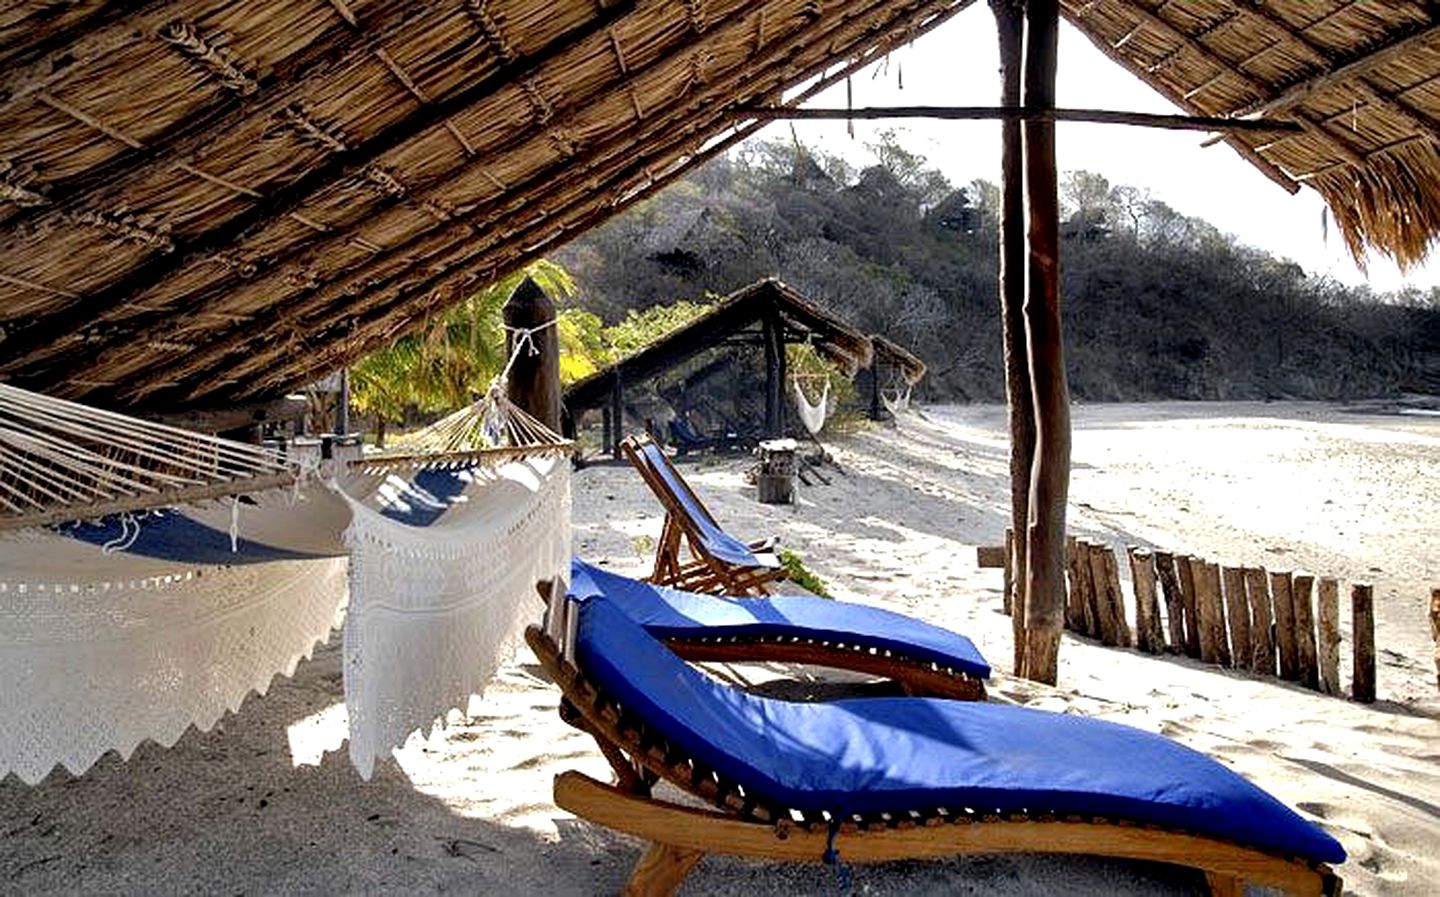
{"x":142,"y":623}
{"x":812,"y":416}
{"x":896,"y":400}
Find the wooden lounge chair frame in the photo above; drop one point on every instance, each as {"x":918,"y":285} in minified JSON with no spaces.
{"x":704,"y":572}
{"x":919,"y":678}
{"x":745,"y":825}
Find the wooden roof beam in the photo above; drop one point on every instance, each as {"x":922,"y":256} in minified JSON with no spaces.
{"x":462,"y":248}
{"x":1016,"y":113}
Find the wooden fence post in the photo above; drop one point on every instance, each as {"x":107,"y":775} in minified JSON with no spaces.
{"x":1284,"y":600}
{"x":1185,"y":566}
{"x":1362,"y":610}
{"x":1079,"y":580}
{"x":1115,"y":599}
{"x":1237,"y":615}
{"x":1329,"y":649}
{"x":1210,"y":613}
{"x":1174,"y":616}
{"x":1302,"y":593}
{"x":1149,"y":635}
{"x":1100,"y":585}
{"x":1262,"y":643}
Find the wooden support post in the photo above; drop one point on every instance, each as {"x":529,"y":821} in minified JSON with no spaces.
{"x":1329,"y":624}
{"x":1435,"y":629}
{"x":1100,"y":589}
{"x":1050,"y":474}
{"x":1209,"y":613}
{"x":1008,"y":597}
{"x":1149,"y":636}
{"x":1301,"y":593}
{"x":1284,"y":600}
{"x":773,"y":338}
{"x":1362,"y":621}
{"x":1174,"y":614}
{"x":1185,"y":567}
{"x":1237,"y":615}
{"x":534,"y":384}
{"x":1262,"y":642}
{"x":1010,"y":23}
{"x":617,"y":414}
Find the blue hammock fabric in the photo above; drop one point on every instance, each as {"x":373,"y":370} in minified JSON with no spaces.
{"x":897,"y":754}
{"x":717,"y":542}
{"x":668,"y":613}
{"x":171,"y":535}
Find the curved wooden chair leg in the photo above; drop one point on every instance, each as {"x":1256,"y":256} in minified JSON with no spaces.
{"x":661,"y":870}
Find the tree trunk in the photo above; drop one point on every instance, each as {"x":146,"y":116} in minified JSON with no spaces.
{"x":1010,"y":21}
{"x":1050,"y":473}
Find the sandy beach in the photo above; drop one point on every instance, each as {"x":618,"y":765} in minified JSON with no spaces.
{"x":257,"y":806}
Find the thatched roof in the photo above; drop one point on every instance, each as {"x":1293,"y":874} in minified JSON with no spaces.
{"x":892,"y":354}
{"x":834,"y":340}
{"x":208,"y":202}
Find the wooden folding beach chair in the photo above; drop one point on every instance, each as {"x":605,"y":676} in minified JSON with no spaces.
{"x":920,"y":658}
{"x":719,"y":562}
{"x":852,"y":782}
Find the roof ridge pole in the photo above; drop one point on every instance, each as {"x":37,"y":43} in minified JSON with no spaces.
{"x":1010,"y":23}
{"x":1050,"y":471}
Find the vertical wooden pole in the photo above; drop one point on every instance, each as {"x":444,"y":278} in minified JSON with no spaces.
{"x":1008,"y":597}
{"x":617,"y":414}
{"x":1284,"y":600}
{"x":1078,"y":614}
{"x":1010,"y":23}
{"x":1329,"y":649}
{"x":1185,"y":567}
{"x":1435,"y":629}
{"x":1050,"y":473}
{"x":1301,"y":593}
{"x":534,"y":384}
{"x":1362,"y":611}
{"x":1149,"y":636}
{"x":773,"y":336}
{"x":1237,"y":615}
{"x":1174,"y":614}
{"x":1209,"y":614}
{"x":1262,"y":643}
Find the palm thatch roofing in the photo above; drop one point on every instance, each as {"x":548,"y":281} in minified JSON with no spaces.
{"x":889,"y":353}
{"x":833,"y":339}
{"x":210,"y":201}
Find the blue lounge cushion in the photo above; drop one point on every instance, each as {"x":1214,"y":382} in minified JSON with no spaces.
{"x":898,"y":754}
{"x":720,"y":544}
{"x":668,"y":613}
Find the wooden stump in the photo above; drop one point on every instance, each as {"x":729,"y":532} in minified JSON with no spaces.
{"x":1210,"y":613}
{"x":1185,"y":566}
{"x":1079,"y":574}
{"x":1237,"y":616}
{"x":1089,"y":616}
{"x":775,"y":483}
{"x":1301,"y":593}
{"x":1284,"y":600}
{"x":1262,"y":642}
{"x":1329,"y":624}
{"x":1149,"y":635}
{"x":1362,"y":610}
{"x":1103,"y":601}
{"x":1170,"y":583}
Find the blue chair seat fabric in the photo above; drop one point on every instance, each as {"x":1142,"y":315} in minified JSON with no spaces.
{"x":717,"y":542}
{"x":668,"y":613}
{"x":898,"y":754}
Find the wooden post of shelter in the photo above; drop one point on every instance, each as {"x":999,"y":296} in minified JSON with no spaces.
{"x":617,"y":413}
{"x":773,"y":339}
{"x":1010,"y":23}
{"x":1362,"y":622}
{"x":1050,"y":473}
{"x":534,"y":384}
